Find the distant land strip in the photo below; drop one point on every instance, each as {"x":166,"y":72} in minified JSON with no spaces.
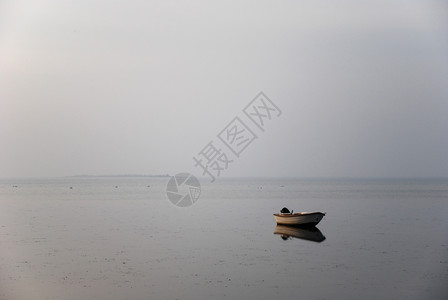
{"x":122,"y":175}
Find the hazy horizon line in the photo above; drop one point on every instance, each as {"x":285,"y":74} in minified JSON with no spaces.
{"x":205,"y":178}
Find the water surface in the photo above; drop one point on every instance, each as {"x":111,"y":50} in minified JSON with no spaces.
{"x":120,"y":238}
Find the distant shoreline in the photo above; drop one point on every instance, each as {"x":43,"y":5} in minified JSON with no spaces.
{"x":120,"y":175}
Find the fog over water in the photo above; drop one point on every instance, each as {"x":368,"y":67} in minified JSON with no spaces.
{"x":88,"y":87}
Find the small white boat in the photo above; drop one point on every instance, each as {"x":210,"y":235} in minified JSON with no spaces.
{"x":302,"y":218}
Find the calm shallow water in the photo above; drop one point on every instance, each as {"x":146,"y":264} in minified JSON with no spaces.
{"x":117,"y":238}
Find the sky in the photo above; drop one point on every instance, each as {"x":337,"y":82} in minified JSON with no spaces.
{"x":142,"y":87}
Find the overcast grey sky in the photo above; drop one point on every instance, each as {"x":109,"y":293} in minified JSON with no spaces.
{"x":107,"y":87}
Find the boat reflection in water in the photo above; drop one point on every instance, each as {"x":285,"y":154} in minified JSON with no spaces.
{"x":309,"y":233}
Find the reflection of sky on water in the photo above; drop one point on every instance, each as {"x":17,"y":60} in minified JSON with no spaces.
{"x":383,"y":238}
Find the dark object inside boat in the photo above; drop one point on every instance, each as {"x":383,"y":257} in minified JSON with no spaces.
{"x":286,"y":211}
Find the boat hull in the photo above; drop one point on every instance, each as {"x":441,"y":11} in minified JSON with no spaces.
{"x":299,"y":218}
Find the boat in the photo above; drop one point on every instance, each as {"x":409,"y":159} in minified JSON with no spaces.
{"x":302,"y":218}
{"x":309,"y":233}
